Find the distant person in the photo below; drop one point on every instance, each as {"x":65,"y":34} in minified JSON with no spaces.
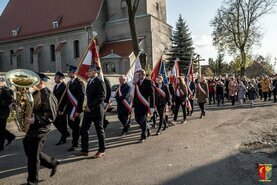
{"x":143,"y":103}
{"x":265,"y":87}
{"x":252,"y":91}
{"x":241,"y":92}
{"x":202,"y":94}
{"x":123,"y":99}
{"x":233,"y":89}
{"x":72,"y":105}
{"x":61,"y":121}
{"x":274,"y":88}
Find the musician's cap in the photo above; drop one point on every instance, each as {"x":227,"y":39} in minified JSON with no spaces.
{"x":94,"y":67}
{"x":60,"y":74}
{"x":43,"y":77}
{"x":71,"y":68}
{"x":2,"y":79}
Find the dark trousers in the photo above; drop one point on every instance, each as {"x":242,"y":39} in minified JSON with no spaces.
{"x":275,"y":95}
{"x":4,"y":133}
{"x":202,"y":106}
{"x":33,"y":146}
{"x":179,"y":103}
{"x":233,"y":99}
{"x":61,"y":125}
{"x":154,"y":117}
{"x":191,"y":104}
{"x":124,"y":119}
{"x":106,"y":122}
{"x":265,"y":96}
{"x":219,"y":98}
{"x":98,"y":124}
{"x":141,"y":120}
{"x":162,"y":118}
{"x":75,"y":126}
{"x":211,"y":97}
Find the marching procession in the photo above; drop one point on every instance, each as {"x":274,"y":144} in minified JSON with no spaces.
{"x":144,"y":98}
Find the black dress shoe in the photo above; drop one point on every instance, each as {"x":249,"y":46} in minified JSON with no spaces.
{"x":141,"y":141}
{"x":201,"y":115}
{"x":10,"y":140}
{"x":72,"y":149}
{"x":148,"y":132}
{"x":61,"y":142}
{"x":32,"y":183}
{"x":54,"y":169}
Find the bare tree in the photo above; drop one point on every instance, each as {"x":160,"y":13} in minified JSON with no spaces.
{"x":236,"y":27}
{"x":132,"y":9}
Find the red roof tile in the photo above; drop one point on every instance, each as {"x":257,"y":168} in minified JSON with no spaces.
{"x":121,"y":48}
{"x":36,"y":16}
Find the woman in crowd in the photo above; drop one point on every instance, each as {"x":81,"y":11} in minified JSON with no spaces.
{"x":202,"y":95}
{"x":181,"y":93}
{"x":265,"y":87}
{"x":241,"y":92}
{"x":233,"y":88}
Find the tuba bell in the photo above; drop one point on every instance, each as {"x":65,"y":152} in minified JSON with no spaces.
{"x":22,"y":79}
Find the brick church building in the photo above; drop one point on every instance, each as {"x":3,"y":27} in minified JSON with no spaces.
{"x":46,"y":35}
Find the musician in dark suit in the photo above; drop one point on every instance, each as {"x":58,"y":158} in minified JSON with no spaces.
{"x":94,"y":112}
{"x":123,"y":100}
{"x":143,"y":103}
{"x":6,"y":98}
{"x":72,"y":105}
{"x":161,"y":99}
{"x":61,"y":121}
{"x":44,"y":113}
{"x":191,"y":93}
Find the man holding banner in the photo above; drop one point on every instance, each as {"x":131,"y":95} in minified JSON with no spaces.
{"x":94,"y":112}
{"x":143,"y":103}
{"x":72,"y":103}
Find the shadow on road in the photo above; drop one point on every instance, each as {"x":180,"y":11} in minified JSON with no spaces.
{"x":240,"y":169}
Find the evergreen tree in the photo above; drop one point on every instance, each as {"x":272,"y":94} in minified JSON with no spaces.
{"x":182,"y":46}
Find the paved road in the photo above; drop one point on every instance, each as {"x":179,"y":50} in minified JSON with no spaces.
{"x":207,"y":151}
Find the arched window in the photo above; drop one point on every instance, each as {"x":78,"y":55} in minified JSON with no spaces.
{"x":76,"y":48}
{"x":52,"y":53}
{"x":31,"y":55}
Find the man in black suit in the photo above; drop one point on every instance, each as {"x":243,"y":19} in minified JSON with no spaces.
{"x":72,"y":105}
{"x":6,"y":98}
{"x":123,"y":100}
{"x":44,"y":113}
{"x":143,"y":103}
{"x":94,"y":112}
{"x":61,"y":121}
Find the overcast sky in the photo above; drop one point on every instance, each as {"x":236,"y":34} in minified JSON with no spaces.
{"x":198,"y":15}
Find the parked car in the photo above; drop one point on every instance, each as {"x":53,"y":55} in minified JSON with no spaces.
{"x":112,"y":99}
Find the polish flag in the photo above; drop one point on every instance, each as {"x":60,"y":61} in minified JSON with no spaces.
{"x":190,"y":71}
{"x":90,"y":57}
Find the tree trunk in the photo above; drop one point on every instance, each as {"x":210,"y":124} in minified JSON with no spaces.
{"x":134,"y":35}
{"x":243,"y":62}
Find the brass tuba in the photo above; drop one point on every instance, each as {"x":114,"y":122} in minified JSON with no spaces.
{"x":22,"y":79}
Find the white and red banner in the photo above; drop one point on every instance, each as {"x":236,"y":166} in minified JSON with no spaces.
{"x":190,"y":70}
{"x":90,"y":57}
{"x":131,"y":75}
